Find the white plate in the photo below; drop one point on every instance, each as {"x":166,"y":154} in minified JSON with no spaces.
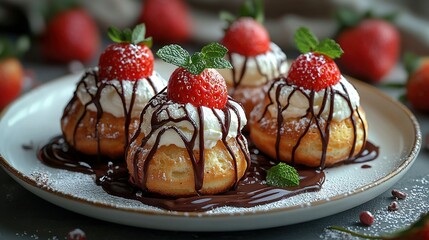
{"x":34,"y":119}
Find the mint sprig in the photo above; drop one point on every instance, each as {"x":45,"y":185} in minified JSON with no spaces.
{"x":306,"y":42}
{"x":13,"y":48}
{"x":135,"y":36}
{"x":211,"y":56}
{"x":250,"y":8}
{"x":282,"y":175}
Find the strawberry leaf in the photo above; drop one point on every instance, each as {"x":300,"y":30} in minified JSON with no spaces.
{"x":115,"y":34}
{"x":305,"y":40}
{"x":411,"y":62}
{"x":329,"y":48}
{"x":175,"y":55}
{"x":138,"y":34}
{"x":250,"y":8}
{"x":253,"y":9}
{"x":211,"y":56}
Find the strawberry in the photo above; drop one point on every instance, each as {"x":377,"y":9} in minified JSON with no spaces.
{"x":129,"y":57}
{"x":315,"y":69}
{"x":167,"y":21}
{"x":247,"y":37}
{"x":70,"y":35}
{"x":371,"y":49}
{"x":195,"y":81}
{"x":205,"y":89}
{"x":418,"y":82}
{"x":11,"y":80}
{"x":11,"y":70}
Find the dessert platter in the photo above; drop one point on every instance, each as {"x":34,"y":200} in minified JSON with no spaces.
{"x":185,"y":160}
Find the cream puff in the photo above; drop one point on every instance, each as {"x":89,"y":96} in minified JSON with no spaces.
{"x":255,"y":59}
{"x":107,"y":102}
{"x":189,"y":141}
{"x":312,"y":117}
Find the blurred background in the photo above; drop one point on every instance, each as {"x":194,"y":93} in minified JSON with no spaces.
{"x":57,"y":47}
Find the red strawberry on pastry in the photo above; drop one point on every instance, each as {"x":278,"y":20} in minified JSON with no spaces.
{"x":195,"y":81}
{"x":129,"y":57}
{"x":247,"y":37}
{"x":315,"y":69}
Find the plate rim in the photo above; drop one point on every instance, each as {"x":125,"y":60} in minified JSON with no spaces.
{"x":411,"y":156}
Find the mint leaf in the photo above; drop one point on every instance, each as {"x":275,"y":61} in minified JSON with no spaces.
{"x":329,"y":48}
{"x":282,"y":175}
{"x":211,"y":56}
{"x":218,"y":63}
{"x":227,"y":17}
{"x":175,"y":55}
{"x":214,"y":50}
{"x":135,"y":36}
{"x":305,"y":40}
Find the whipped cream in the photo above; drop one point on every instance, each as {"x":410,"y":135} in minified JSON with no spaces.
{"x":114,"y":90}
{"x":264,"y":66}
{"x":212,"y":129}
{"x":299,"y":102}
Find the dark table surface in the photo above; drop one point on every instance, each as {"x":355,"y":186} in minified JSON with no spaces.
{"x":26,"y":216}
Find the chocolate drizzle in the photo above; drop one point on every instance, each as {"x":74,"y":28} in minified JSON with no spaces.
{"x":95,"y":99}
{"x":260,"y":62}
{"x":113,"y":177}
{"x":160,"y":126}
{"x":323,"y":126}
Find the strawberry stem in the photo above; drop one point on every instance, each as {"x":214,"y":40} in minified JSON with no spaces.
{"x":250,"y":8}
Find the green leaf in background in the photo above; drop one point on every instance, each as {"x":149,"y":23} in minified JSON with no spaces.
{"x":411,"y":62}
{"x":253,"y":9}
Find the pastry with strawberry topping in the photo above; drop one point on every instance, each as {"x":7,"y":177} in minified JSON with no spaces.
{"x":312,"y":116}
{"x":255,"y":59}
{"x":189,"y":141}
{"x":107,"y":102}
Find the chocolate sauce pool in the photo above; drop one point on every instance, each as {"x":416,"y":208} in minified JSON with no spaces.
{"x":251,"y":191}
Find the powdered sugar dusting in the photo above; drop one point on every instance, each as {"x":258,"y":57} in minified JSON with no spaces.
{"x":387,"y":221}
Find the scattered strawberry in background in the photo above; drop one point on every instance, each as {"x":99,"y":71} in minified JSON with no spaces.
{"x":70,"y":34}
{"x":418,"y":81}
{"x":167,"y":21}
{"x":11,"y":70}
{"x":195,"y":81}
{"x":129,"y":58}
{"x":315,"y":68}
{"x":371,"y":46}
{"x":246,"y":35}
